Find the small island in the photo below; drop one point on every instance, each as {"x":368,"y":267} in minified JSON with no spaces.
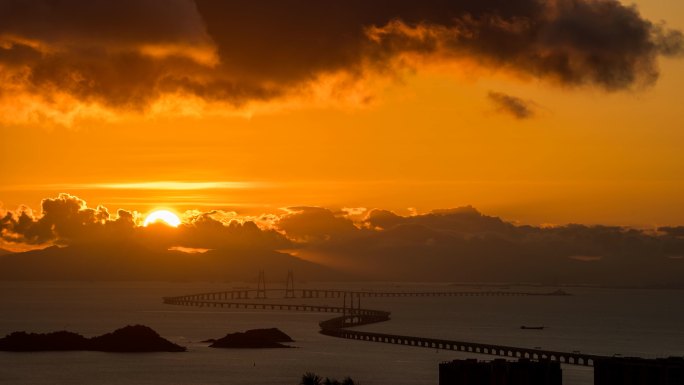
{"x":136,"y":338}
{"x":253,"y":339}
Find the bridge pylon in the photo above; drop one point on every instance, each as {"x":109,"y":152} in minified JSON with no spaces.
{"x":261,"y":286}
{"x":351,"y":314}
{"x":344,"y":306}
{"x":289,"y":286}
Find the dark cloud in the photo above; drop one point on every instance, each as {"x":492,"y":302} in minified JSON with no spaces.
{"x":518,"y":108}
{"x":383,"y":219}
{"x":129,"y":54}
{"x":120,"y":54}
{"x":64,"y":219}
{"x":677,"y":231}
{"x":314,"y":224}
{"x":110,"y":25}
{"x":572,"y":41}
{"x":465,"y":245}
{"x":461,"y":219}
{"x":206,"y":232}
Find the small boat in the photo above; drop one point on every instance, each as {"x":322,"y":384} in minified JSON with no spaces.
{"x":532,"y":327}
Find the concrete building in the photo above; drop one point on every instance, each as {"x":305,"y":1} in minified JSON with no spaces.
{"x":639,"y":371}
{"x":500,"y":372}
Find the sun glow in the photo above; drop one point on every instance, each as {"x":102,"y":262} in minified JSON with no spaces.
{"x":165,"y":216}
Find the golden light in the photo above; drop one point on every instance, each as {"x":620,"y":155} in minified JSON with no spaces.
{"x":165,"y":216}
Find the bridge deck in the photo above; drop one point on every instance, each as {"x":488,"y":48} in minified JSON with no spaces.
{"x":334,"y":293}
{"x":272,"y":306}
{"x":463,"y":346}
{"x":338,"y":326}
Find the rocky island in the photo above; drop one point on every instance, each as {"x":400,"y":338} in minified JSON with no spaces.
{"x":137,"y":338}
{"x":253,"y":339}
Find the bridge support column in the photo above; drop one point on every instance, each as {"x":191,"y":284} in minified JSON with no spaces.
{"x":289,"y":286}
{"x":261,"y":286}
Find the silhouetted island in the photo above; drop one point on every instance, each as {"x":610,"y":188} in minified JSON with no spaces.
{"x":137,"y":338}
{"x":254,"y":339}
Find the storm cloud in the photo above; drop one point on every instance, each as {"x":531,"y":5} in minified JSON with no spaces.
{"x":129,"y":55}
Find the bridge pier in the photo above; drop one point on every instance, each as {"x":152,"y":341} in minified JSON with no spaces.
{"x":261,"y":286}
{"x":289,"y":286}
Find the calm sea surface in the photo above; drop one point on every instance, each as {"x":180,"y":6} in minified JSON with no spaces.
{"x":601,"y":321}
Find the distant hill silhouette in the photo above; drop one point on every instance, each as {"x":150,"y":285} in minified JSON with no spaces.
{"x":254,"y":339}
{"x":5,"y":252}
{"x":137,"y":338}
{"x":134,"y":262}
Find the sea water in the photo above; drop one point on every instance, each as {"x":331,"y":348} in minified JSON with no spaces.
{"x":628,"y":322}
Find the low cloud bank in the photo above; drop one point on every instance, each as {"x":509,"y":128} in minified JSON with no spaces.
{"x":458,"y":244}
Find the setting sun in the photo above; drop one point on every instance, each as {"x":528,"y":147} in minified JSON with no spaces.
{"x":165,"y":216}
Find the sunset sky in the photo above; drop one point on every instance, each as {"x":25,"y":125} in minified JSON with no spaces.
{"x":496,"y":171}
{"x":186,"y":105}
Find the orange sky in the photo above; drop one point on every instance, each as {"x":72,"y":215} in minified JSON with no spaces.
{"x":428,"y":137}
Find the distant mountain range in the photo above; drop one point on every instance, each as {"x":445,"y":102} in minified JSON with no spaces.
{"x":376,"y":257}
{"x":134,"y":262}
